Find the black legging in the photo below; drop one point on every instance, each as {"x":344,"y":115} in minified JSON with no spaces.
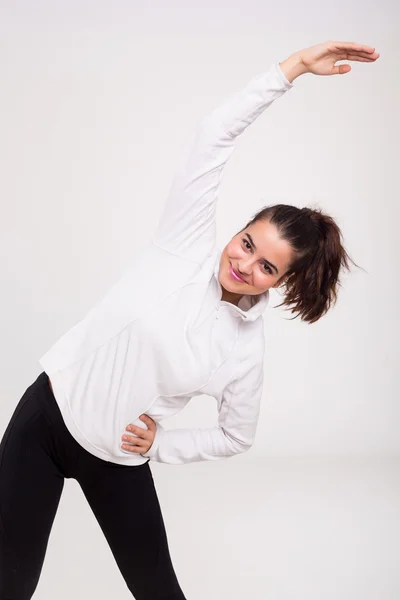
{"x":37,"y":453}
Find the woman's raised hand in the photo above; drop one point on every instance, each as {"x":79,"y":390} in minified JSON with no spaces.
{"x":321,"y":59}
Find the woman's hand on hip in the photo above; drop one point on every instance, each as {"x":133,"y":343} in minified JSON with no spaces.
{"x":321,"y":59}
{"x":142,"y":439}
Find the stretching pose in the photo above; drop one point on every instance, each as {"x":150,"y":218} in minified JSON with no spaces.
{"x":185,"y":319}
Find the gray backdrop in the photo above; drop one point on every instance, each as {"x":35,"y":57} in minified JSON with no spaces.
{"x":98,"y":101}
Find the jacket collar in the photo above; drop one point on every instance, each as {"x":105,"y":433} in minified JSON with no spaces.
{"x":250,"y":307}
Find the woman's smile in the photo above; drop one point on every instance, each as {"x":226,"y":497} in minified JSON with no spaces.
{"x":234,"y":275}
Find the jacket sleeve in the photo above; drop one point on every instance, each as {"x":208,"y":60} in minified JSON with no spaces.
{"x":187,"y":224}
{"x":237,"y":423}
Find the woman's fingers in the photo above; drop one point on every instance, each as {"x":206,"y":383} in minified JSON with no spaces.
{"x":359,"y":58}
{"x":352,"y":51}
{"x":134,"y":444}
{"x":367,"y":55}
{"x":353,"y":46}
{"x":140,"y":437}
{"x":370,"y":57}
{"x":137,"y":449}
{"x":140,"y":441}
{"x":132,"y":439}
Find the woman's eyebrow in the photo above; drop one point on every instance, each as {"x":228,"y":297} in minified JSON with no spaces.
{"x":254,"y":247}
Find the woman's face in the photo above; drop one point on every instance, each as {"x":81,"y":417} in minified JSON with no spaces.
{"x":259,"y":256}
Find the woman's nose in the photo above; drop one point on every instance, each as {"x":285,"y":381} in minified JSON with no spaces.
{"x":244,"y":268}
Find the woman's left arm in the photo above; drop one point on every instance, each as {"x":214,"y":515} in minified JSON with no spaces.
{"x":235,"y":433}
{"x":238,"y":415}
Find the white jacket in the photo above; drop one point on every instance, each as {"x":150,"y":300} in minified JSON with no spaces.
{"x":150,"y":351}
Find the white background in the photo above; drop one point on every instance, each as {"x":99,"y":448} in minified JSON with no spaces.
{"x":98,"y":100}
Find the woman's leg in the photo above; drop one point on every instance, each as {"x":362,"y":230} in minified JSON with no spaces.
{"x":30,"y":489}
{"x":125,"y":504}
{"x":36,"y":453}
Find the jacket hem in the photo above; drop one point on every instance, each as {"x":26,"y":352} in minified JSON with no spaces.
{"x":129,"y":459}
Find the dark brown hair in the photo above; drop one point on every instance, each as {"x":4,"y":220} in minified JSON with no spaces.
{"x":312,"y":280}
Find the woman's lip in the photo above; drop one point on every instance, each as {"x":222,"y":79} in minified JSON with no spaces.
{"x":235,"y":275}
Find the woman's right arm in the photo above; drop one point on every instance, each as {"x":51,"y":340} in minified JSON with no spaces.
{"x":187,"y":224}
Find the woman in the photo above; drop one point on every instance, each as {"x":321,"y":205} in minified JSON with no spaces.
{"x":185,"y":319}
